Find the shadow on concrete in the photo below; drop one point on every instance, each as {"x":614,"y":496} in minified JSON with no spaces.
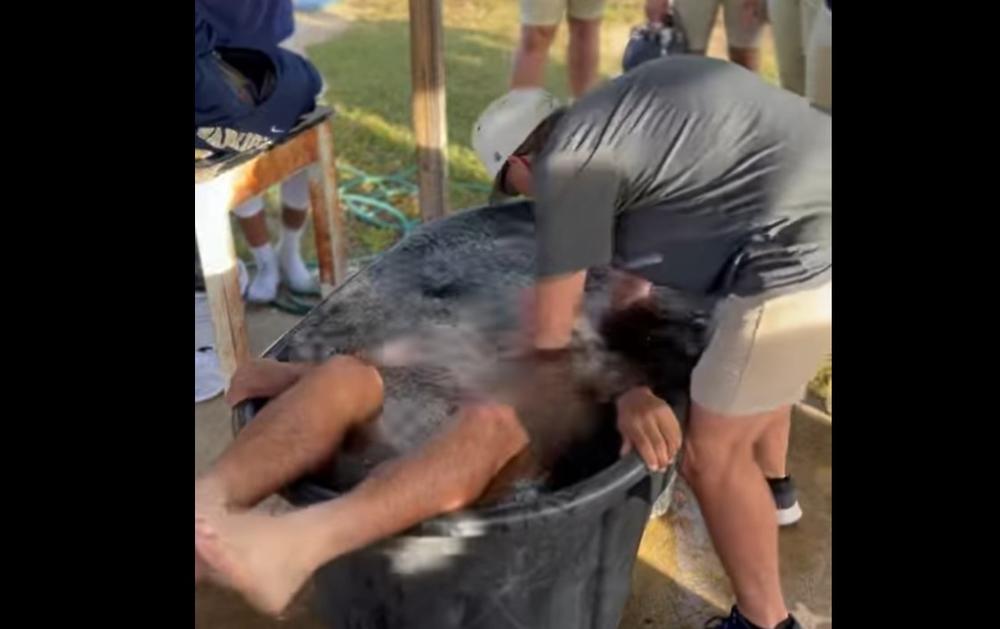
{"x":660,"y":602}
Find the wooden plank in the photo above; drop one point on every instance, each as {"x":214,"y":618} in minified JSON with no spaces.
{"x":428,"y":98}
{"x":271,"y":168}
{"x":218,"y":262}
{"x":328,"y":215}
{"x":208,"y":168}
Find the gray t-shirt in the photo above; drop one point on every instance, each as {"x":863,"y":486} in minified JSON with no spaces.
{"x":693,"y":173}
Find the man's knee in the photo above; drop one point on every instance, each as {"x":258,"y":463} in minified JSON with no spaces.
{"x":498,"y":426}
{"x":584,"y":30}
{"x":704,"y":458}
{"x":348,"y":378}
{"x":537,"y":39}
{"x":713,"y":443}
{"x":493,"y":436}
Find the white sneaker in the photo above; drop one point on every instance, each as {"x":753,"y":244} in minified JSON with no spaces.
{"x":263,"y":288}
{"x":297,"y":277}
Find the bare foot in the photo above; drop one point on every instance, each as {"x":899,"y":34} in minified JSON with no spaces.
{"x":209,"y":503}
{"x":255,"y":554}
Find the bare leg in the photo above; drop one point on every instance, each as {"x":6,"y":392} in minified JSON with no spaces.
{"x":584,"y":54}
{"x":268,"y":558}
{"x":749,"y":58}
{"x":293,"y":218}
{"x":531,"y":55}
{"x":297,"y":431}
{"x":255,"y":230}
{"x":771,"y":450}
{"x":738,"y":506}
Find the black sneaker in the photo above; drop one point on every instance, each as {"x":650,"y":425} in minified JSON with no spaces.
{"x":786,"y":499}
{"x":737,"y":621}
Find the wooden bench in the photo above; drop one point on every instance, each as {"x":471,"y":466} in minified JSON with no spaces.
{"x":222,"y":185}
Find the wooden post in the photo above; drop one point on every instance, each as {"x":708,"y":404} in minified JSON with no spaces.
{"x":218,"y":264}
{"x":429,"y":120}
{"x":328,"y":217}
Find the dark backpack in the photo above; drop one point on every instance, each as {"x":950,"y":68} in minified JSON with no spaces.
{"x":650,"y":42}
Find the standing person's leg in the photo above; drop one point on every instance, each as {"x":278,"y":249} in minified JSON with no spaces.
{"x":294,"y":210}
{"x":757,"y":364}
{"x":743,"y":34}
{"x":819,"y":58}
{"x":786,"y":24}
{"x":771,"y":454}
{"x":263,"y":288}
{"x":698,"y":18}
{"x":584,"y":53}
{"x":738,"y":507}
{"x":539,"y":22}
{"x":771,"y":450}
{"x":268,"y":558}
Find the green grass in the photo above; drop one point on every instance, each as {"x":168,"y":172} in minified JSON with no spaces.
{"x":820,"y":385}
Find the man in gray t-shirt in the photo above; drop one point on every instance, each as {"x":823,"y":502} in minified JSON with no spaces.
{"x":691,"y":173}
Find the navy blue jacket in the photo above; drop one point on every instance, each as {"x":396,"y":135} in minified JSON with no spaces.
{"x":250,"y":24}
{"x":258,"y":102}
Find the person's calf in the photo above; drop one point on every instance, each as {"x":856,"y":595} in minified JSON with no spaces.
{"x":584,"y":54}
{"x":738,"y":508}
{"x":531,"y":54}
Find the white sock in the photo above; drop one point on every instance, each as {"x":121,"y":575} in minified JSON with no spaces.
{"x":263,"y":287}
{"x":293,"y":267}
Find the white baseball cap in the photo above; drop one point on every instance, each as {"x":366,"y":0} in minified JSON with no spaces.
{"x":506,"y":124}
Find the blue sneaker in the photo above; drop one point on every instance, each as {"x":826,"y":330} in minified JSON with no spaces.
{"x":737,"y":621}
{"x":786,"y":499}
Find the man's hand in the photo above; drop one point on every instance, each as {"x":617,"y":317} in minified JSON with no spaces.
{"x":263,"y":378}
{"x":657,"y":10}
{"x":648,"y":425}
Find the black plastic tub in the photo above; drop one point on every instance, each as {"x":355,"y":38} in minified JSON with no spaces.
{"x":561,"y":561}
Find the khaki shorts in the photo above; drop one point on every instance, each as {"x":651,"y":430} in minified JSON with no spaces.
{"x":698,"y":18}
{"x":803,"y":42}
{"x":762,"y":355}
{"x":550,"y":12}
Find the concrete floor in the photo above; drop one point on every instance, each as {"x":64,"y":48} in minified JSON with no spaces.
{"x":678,"y":581}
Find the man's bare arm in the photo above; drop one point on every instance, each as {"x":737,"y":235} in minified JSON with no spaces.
{"x":556,"y":304}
